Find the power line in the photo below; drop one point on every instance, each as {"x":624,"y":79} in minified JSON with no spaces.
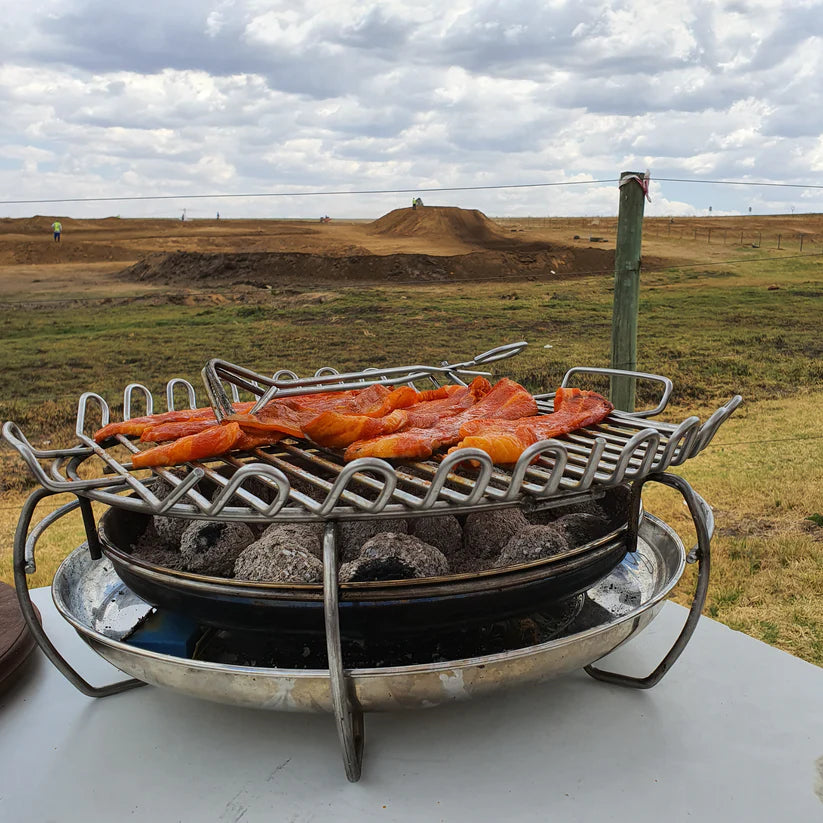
{"x":304,"y":193}
{"x":738,"y":183}
{"x":426,"y":189}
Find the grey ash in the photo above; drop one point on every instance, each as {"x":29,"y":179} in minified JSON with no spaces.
{"x":530,"y":544}
{"x":268,"y":561}
{"x":395,"y":556}
{"x":484,"y":536}
{"x":444,"y":533}
{"x":355,"y":534}
{"x":211,"y":547}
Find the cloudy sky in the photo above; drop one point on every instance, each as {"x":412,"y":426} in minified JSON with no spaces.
{"x":202,"y":97}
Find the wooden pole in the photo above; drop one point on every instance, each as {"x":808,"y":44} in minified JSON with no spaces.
{"x":626,"y":287}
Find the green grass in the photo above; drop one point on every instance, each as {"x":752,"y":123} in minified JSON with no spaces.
{"x":711,"y":336}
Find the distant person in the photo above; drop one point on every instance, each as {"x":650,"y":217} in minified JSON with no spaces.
{"x":414,"y":202}
{"x":57,"y":228}
{"x":218,"y":215}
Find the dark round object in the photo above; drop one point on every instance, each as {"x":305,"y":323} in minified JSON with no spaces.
{"x":484,"y":536}
{"x":169,"y":530}
{"x":579,"y":529}
{"x":212,"y":547}
{"x":394,"y":556}
{"x":533,"y":543}
{"x":268,"y":561}
{"x":444,"y":533}
{"x":307,"y":537}
{"x":355,"y":534}
{"x":16,"y":641}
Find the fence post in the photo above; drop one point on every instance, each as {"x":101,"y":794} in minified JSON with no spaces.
{"x":801,"y":242}
{"x":627,"y":286}
{"x":779,"y":237}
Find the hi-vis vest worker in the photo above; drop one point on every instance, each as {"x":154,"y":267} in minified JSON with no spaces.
{"x":57,"y":228}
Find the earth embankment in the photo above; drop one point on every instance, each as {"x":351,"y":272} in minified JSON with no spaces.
{"x":269,"y":269}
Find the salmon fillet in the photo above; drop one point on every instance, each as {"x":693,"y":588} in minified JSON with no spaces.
{"x":137,"y":425}
{"x":207,"y":443}
{"x":337,"y":430}
{"x":507,"y":400}
{"x":505,"y":441}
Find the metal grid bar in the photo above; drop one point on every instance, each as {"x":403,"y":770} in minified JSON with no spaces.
{"x":310,"y":483}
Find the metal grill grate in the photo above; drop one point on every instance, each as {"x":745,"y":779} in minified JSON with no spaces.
{"x":312,"y":483}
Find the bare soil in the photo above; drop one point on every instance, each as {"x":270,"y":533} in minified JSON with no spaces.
{"x":405,"y":245}
{"x":129,"y":259}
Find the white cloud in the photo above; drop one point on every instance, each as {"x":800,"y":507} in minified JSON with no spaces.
{"x":242,"y":96}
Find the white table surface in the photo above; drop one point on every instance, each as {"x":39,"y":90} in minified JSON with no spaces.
{"x":733,"y":733}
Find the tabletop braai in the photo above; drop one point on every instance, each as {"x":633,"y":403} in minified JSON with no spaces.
{"x":233,"y":638}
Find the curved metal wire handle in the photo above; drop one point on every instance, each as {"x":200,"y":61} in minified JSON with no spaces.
{"x":217,"y":370}
{"x":701,"y":553}
{"x":656,"y":378}
{"x":24,"y":544}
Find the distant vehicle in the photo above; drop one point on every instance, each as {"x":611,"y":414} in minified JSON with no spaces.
{"x":325,"y":219}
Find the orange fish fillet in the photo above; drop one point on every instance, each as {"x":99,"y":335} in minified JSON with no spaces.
{"x":291,"y":415}
{"x":505,"y":441}
{"x":207,"y":443}
{"x":163,"y":432}
{"x":253,"y":440}
{"x":507,"y":400}
{"x":137,"y":425}
{"x":337,"y":430}
{"x":276,"y":417}
{"x":439,"y":393}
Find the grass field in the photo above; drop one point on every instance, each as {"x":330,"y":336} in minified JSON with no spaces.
{"x":715,"y":330}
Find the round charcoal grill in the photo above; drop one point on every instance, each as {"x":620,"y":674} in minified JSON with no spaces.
{"x":108,"y":599}
{"x":401,"y":606}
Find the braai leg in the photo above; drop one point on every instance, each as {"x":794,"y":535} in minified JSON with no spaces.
{"x":701,"y":553}
{"x":24,"y":564}
{"x":347,"y":713}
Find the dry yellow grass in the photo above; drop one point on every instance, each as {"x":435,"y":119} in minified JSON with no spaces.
{"x":762,"y":476}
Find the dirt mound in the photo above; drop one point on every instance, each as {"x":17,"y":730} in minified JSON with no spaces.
{"x":269,"y":269}
{"x":449,"y":224}
{"x":39,"y":224}
{"x":24,"y":251}
{"x":439,"y":222}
